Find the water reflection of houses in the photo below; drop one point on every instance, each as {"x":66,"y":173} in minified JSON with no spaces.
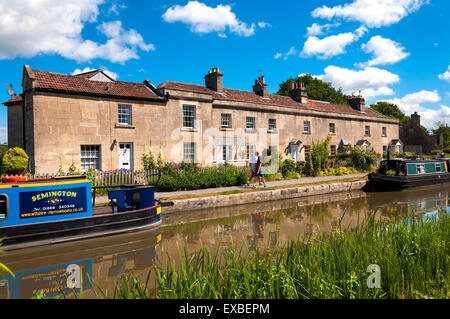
{"x":239,"y":228}
{"x":417,"y":206}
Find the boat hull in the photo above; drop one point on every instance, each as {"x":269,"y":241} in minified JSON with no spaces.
{"x":386,"y":182}
{"x":47,"y":233}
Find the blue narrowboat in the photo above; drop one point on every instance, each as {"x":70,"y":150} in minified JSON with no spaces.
{"x":54,"y":210}
{"x":403,"y":173}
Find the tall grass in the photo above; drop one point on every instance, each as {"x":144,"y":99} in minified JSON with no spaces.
{"x":413,"y":257}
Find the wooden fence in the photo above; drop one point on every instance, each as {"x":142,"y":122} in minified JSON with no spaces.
{"x":123,"y":177}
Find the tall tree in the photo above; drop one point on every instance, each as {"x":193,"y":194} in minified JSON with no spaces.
{"x":316,"y":88}
{"x":445,"y":130}
{"x":390,"y":110}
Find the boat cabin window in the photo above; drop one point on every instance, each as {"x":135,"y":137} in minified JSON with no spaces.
{"x":438,"y":168}
{"x":3,"y":207}
{"x":420,"y":169}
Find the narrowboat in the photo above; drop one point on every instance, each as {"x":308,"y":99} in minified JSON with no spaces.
{"x":404,"y":173}
{"x":54,"y":210}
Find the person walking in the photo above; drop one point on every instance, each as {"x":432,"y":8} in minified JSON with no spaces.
{"x":254,"y":159}
{"x":259,"y":171}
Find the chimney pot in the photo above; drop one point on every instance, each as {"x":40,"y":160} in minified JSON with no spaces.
{"x":260,"y":87}
{"x":357,"y":102}
{"x":298,"y":92}
{"x":214,"y":80}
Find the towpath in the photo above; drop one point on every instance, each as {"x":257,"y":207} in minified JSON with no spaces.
{"x":304,"y":180}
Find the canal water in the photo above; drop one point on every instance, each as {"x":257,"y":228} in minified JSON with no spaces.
{"x":102,"y":262}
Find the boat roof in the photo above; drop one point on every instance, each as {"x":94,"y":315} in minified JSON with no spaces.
{"x":418,"y":161}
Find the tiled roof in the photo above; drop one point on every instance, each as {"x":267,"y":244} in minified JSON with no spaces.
{"x":14,"y":100}
{"x":57,"y":82}
{"x":88,"y":74}
{"x":272,"y":99}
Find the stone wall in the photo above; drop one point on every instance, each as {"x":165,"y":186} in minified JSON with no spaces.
{"x":261,"y":196}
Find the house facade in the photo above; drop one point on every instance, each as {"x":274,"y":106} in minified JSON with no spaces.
{"x":96,"y":122}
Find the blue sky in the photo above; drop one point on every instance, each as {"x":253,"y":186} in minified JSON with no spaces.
{"x":390,"y":50}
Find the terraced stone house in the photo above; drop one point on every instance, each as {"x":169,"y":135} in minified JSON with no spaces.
{"x":96,"y":122}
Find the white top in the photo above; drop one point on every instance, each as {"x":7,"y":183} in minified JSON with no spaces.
{"x":254,"y":160}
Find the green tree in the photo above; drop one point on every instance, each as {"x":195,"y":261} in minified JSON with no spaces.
{"x":316,"y":88}
{"x":15,"y":161}
{"x":445,"y":130}
{"x":390,"y":110}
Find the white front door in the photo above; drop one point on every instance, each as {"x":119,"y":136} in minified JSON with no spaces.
{"x":294,"y":152}
{"x":126,"y":156}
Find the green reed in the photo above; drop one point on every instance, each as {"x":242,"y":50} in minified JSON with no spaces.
{"x":413,"y":256}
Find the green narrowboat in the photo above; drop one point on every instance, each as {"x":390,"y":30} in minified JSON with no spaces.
{"x":401,"y":173}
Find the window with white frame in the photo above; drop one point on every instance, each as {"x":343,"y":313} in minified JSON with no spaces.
{"x":226,"y":120}
{"x":189,"y":152}
{"x":272,"y":125}
{"x":420,"y":169}
{"x":124,"y":112}
{"x":306,"y":127}
{"x":90,"y":157}
{"x":189,"y":116}
{"x":250,"y":123}
{"x":250,"y":150}
{"x":367,"y":130}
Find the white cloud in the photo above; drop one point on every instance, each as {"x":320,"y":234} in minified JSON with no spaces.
{"x":264,"y":25}
{"x":116,"y":6}
{"x":373,"y":13}
{"x":446,"y":75}
{"x":111,"y":74}
{"x":205,"y":19}
{"x":411,"y":103}
{"x":292,"y":51}
{"x":331,"y":45}
{"x":29,"y":28}
{"x":385,"y":51}
{"x":317,"y":29}
{"x":370,"y":81}
{"x":3,"y":134}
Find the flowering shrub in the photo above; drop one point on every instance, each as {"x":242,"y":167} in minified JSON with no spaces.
{"x":338,"y":171}
{"x":15,"y":161}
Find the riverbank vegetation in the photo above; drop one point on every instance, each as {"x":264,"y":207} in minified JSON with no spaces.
{"x":411,"y":258}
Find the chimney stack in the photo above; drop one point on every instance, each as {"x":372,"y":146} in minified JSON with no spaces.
{"x":260,"y":87}
{"x":357,"y":102}
{"x":415,"y":118}
{"x":214,"y":80}
{"x":298,"y":92}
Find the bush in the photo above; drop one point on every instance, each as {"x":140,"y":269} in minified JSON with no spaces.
{"x":364,"y":160}
{"x":447,"y":150}
{"x":15,"y":161}
{"x":288,"y":166}
{"x":435,"y":152}
{"x":191,"y":177}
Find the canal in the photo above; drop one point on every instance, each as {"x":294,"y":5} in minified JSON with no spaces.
{"x":101,"y":262}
